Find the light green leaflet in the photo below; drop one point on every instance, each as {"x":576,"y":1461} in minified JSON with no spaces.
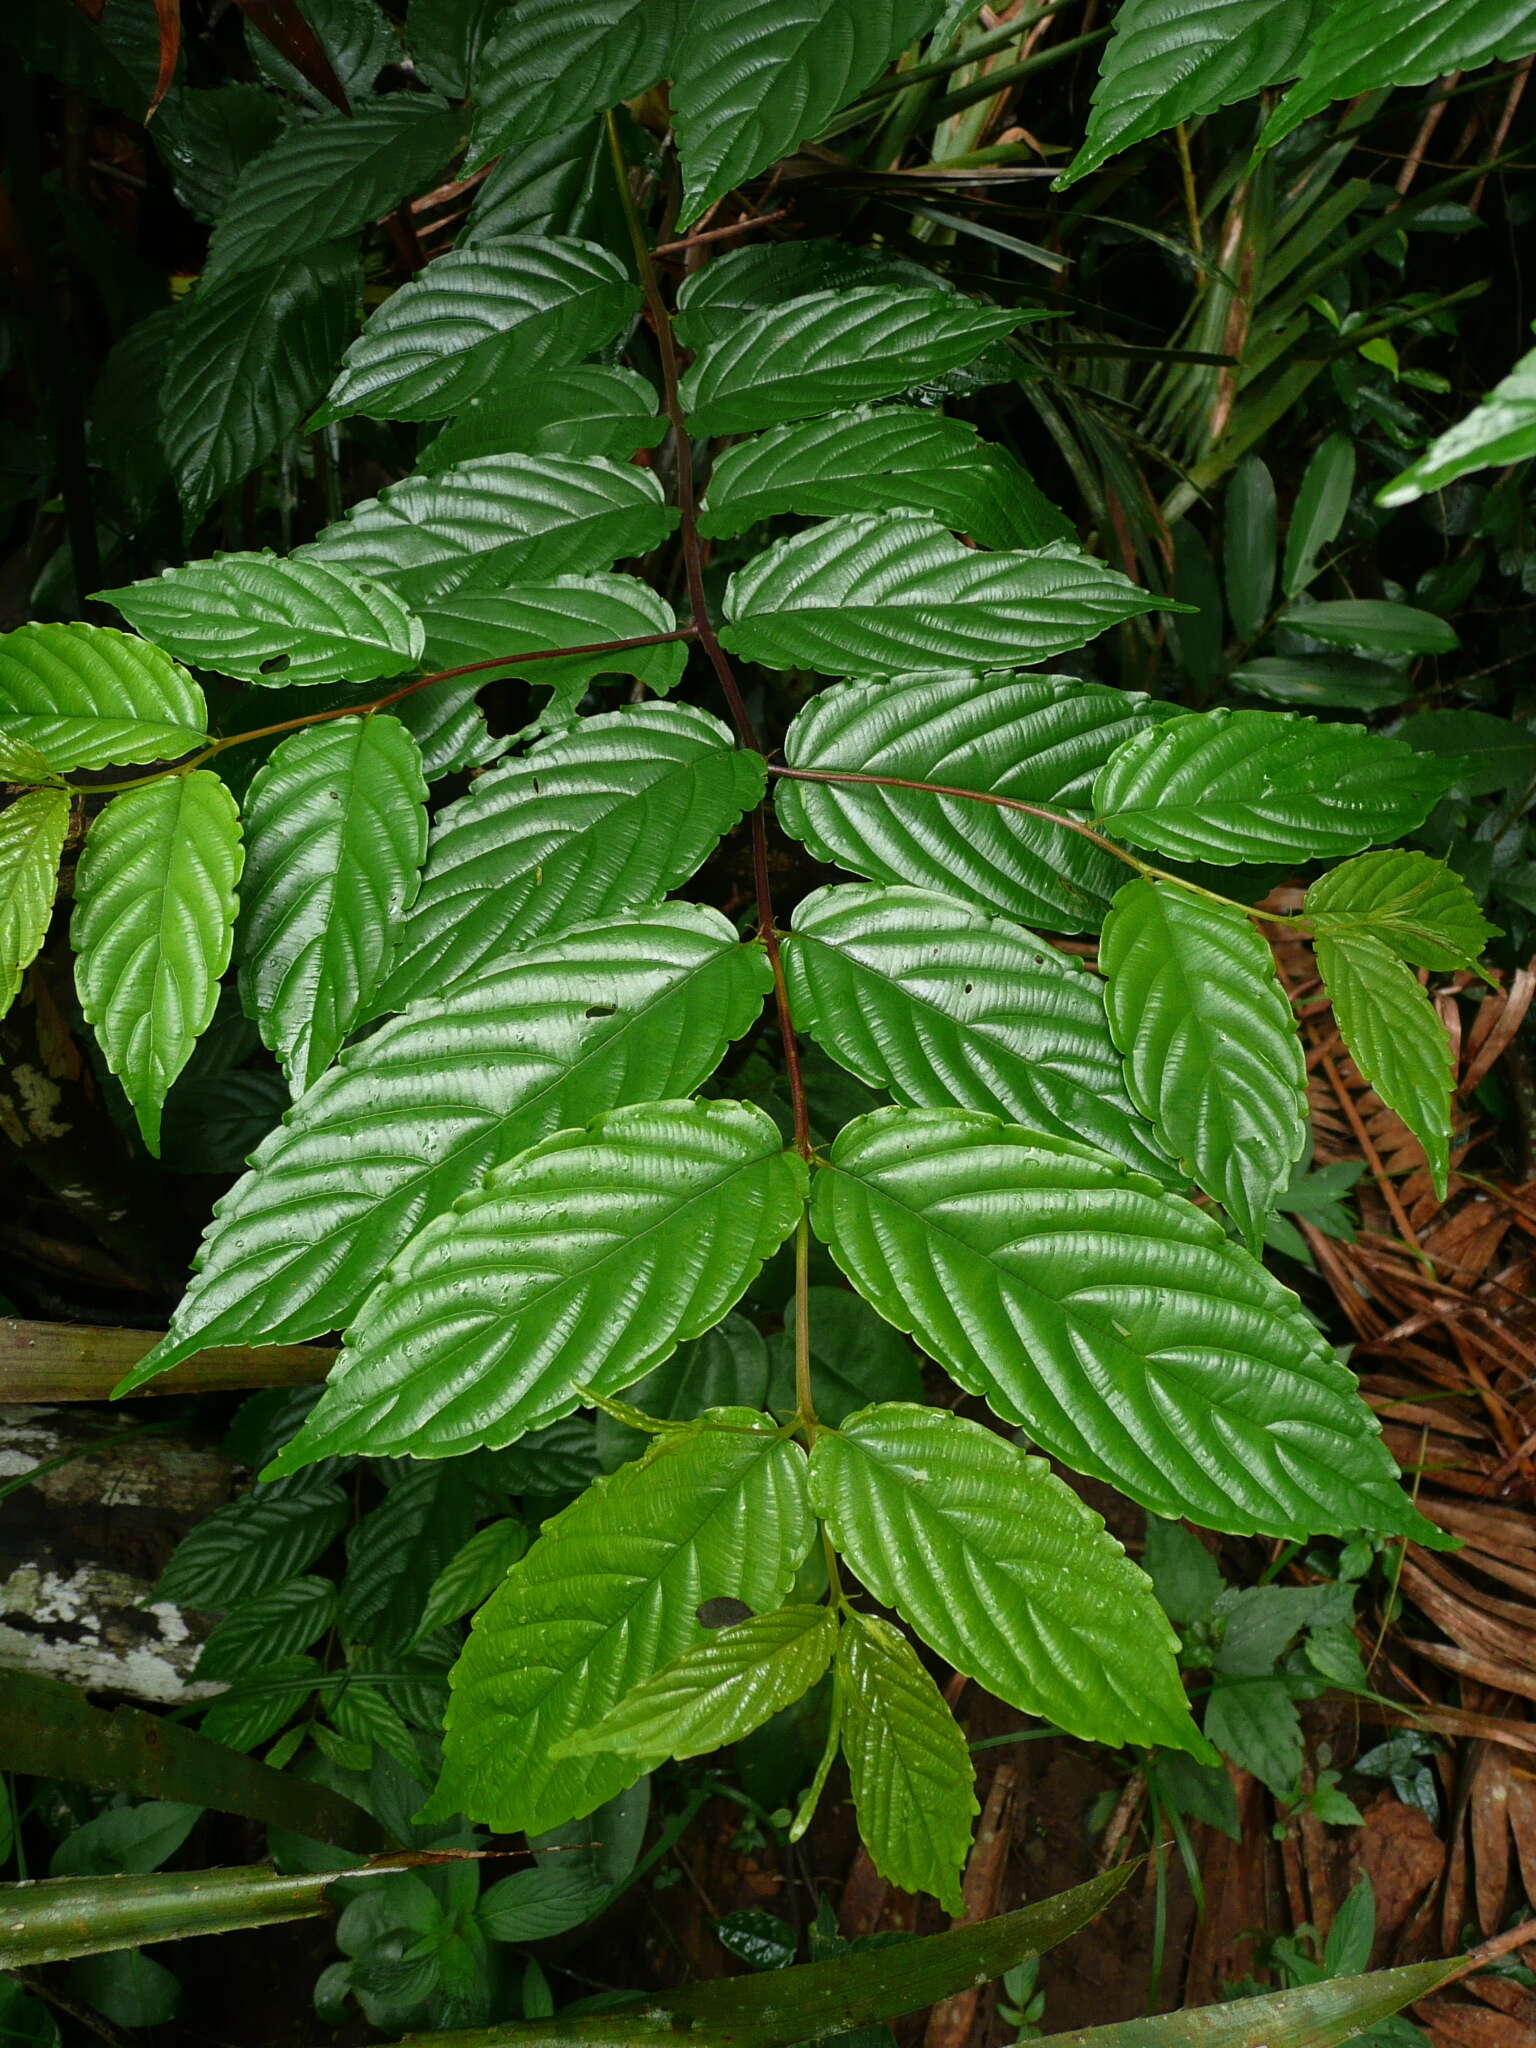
{"x":502,"y":1310}
{"x":153,"y":923}
{"x":1394,"y":1037}
{"x":1418,"y":906}
{"x":1500,"y":430}
{"x":608,"y":1595}
{"x":88,"y":696}
{"x":32,"y":833}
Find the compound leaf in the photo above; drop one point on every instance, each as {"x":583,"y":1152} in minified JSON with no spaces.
{"x":1413,"y":903}
{"x":1212,"y":1052}
{"x":1394,"y":1037}
{"x":942,"y":1004}
{"x":751,"y":79}
{"x":249,"y":356}
{"x":1034,"y":740}
{"x":1229,"y":786}
{"x":1500,"y":430}
{"x":268,"y":620}
{"x":834,"y":349}
{"x":330,"y":175}
{"x":614,"y":813}
{"x":420,"y":1112}
{"x":499,"y":519}
{"x":608,"y":1595}
{"x":336,"y":827}
{"x":887,"y":459}
{"x":501,"y":1311}
{"x":549,"y":62}
{"x":154,"y":917}
{"x":1003,"y":1571}
{"x":88,"y":696}
{"x":478,"y":319}
{"x":32,"y":833}
{"x":1116,"y":1323}
{"x":718,"y":1691}
{"x":910,"y":1772}
{"x":891,"y":596}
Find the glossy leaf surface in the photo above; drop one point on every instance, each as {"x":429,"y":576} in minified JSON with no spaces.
{"x":568,"y":611}
{"x":551,"y":61}
{"x":1417,"y":905}
{"x":86,"y":696}
{"x":1502,"y":429}
{"x":592,"y":410}
{"x":32,"y":833}
{"x":1394,"y":1037}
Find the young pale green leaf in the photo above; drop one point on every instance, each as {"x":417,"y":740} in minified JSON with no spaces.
{"x":472,"y":1574}
{"x":1501,"y":430}
{"x":336,"y":827}
{"x":1229,"y":786}
{"x":497,"y":520}
{"x":751,"y":79}
{"x":330,"y":175}
{"x":250,"y":354}
{"x":1170,"y":62}
{"x":834,"y":349}
{"x":1248,"y":536}
{"x":718,"y":1691}
{"x":1372,"y":623}
{"x":614,"y":813}
{"x":713,"y":300}
{"x":913,"y":1783}
{"x":943,"y":1004}
{"x":551,"y":61}
{"x":32,"y":833}
{"x":267,"y":620}
{"x":418,"y":1113}
{"x":568,"y":611}
{"x":894,"y":596}
{"x":275,"y":1624}
{"x":886,"y":459}
{"x":1003,"y":1571}
{"x":1029,"y":739}
{"x":1416,"y":905}
{"x":154,"y":917}
{"x":88,"y":696}
{"x":20,"y":762}
{"x":1399,"y":42}
{"x":1117,"y":1324}
{"x":592,"y":410}
{"x":1317,"y":2015}
{"x":1321,"y":506}
{"x":608,"y":1595}
{"x":478,"y":319}
{"x":501,"y":1311}
{"x":1212,"y":1052}
{"x":1394,"y":1037}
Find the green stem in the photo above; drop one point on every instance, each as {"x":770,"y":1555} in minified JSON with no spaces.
{"x":805,"y":1406}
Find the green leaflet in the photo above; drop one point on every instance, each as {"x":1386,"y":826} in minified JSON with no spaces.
{"x":1003,"y":1571}
{"x":206,"y":136}
{"x":718,"y":1691}
{"x":1031,"y":739}
{"x":562,"y":184}
{"x":336,"y":827}
{"x":357,"y":37}
{"x":893,"y":596}
{"x":1249,"y":545}
{"x":834,"y":349}
{"x":1307,"y":2016}
{"x":615,"y":813}
{"x":1255,"y":1722}
{"x":587,"y":411}
{"x":943,"y":1004}
{"x":32,"y":833}
{"x":477,"y":319}
{"x":483,"y":524}
{"x":273,"y":1625}
{"x":503,"y":1309}
{"x":1117,"y":1324}
{"x":1372,"y":623}
{"x":418,"y":1113}
{"x":273,"y":621}
{"x":1169,"y":61}
{"x":21,"y":762}
{"x":330,"y":175}
{"x":1399,"y":42}
{"x":1418,"y":906}
{"x":154,"y":916}
{"x":1212,"y":1052}
{"x":568,"y":611}
{"x":551,"y":61}
{"x":887,"y":459}
{"x":712,"y":300}
{"x":913,"y":1784}
{"x":1394,"y":1037}
{"x":255,"y":1544}
{"x":1228,"y":786}
{"x":1500,"y":430}
{"x":751,"y":79}
{"x":472,"y":1574}
{"x":608,"y":1595}
{"x":250,"y":354}
{"x":1322,"y":504}
{"x":87,"y":696}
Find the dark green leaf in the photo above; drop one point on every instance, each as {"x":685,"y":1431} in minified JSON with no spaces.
{"x":588,"y":411}
{"x":551,"y":61}
{"x":272,"y":1626}
{"x":856,"y":1357}
{"x":1248,"y":531}
{"x":1321,"y":505}
{"x":1372,"y":623}
{"x":1254,"y":1721}
{"x":255,"y":1544}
